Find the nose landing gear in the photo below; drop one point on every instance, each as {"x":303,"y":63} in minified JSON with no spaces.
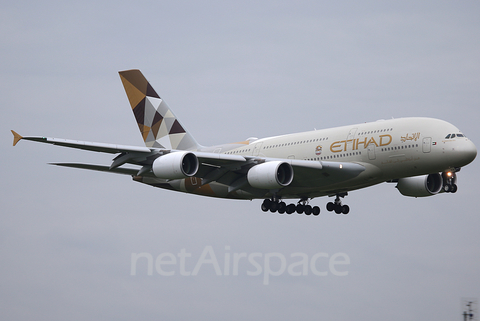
{"x":449,"y":180}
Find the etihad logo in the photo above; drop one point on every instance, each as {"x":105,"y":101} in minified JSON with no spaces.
{"x":354,"y":144}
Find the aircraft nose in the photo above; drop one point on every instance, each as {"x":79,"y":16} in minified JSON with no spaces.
{"x":469,"y":151}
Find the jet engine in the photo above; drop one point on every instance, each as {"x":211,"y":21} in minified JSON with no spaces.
{"x":175,"y":165}
{"x":420,"y":186}
{"x":270,"y":175}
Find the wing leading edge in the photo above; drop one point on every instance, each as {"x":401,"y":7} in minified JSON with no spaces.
{"x":91,"y":146}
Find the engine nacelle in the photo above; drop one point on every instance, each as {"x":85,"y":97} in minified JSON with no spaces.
{"x":420,"y":186}
{"x":270,"y":175}
{"x":175,"y":165}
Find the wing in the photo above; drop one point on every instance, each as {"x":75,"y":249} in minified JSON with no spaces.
{"x":129,"y":154}
{"x":233,"y":172}
{"x":230,"y":171}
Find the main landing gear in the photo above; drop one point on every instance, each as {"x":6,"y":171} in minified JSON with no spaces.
{"x":276,"y":205}
{"x":337,"y":205}
{"x":280,"y":207}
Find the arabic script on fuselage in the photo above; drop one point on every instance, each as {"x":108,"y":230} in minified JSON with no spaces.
{"x":414,"y":137}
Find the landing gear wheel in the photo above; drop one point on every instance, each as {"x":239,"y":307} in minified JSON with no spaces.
{"x":264,"y":208}
{"x":282,"y":207}
{"x":273,"y":207}
{"x":300,"y":208}
{"x":316,"y":210}
{"x":345,"y":209}
{"x":291,"y":208}
{"x":338,"y":209}
{"x":266,"y":203}
{"x":330,"y":206}
{"x":454,"y":188}
{"x":447,"y":188}
{"x":308,"y":210}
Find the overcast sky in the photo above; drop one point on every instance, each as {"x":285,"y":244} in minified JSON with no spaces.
{"x":230,"y":70}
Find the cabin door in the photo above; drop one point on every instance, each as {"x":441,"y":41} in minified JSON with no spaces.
{"x":427,"y":144}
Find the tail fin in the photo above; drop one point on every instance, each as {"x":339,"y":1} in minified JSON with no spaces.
{"x":157,"y":123}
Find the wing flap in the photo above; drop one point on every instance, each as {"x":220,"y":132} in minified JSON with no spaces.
{"x":100,"y":168}
{"x":217,"y":159}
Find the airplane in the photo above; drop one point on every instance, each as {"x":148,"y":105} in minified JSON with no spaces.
{"x":420,"y":155}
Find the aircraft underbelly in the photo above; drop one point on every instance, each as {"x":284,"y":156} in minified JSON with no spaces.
{"x":319,"y":185}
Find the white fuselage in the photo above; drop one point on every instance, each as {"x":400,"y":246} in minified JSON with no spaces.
{"x":389,"y":149}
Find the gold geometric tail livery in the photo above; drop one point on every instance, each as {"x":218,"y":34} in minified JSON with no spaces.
{"x":422,"y":155}
{"x":157,"y":123}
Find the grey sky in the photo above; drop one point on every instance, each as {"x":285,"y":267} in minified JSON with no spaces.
{"x":230,"y":70}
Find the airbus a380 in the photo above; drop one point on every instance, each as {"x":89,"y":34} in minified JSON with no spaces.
{"x":420,"y":155}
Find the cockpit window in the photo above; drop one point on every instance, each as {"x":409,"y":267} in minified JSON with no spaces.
{"x":450,"y":136}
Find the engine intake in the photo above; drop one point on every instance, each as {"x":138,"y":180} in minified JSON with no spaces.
{"x":420,"y":186}
{"x":270,"y":175}
{"x":175,"y":165}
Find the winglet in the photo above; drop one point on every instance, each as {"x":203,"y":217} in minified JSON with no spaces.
{"x":16,"y":137}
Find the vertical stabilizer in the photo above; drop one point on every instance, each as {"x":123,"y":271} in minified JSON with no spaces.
{"x":157,"y":123}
